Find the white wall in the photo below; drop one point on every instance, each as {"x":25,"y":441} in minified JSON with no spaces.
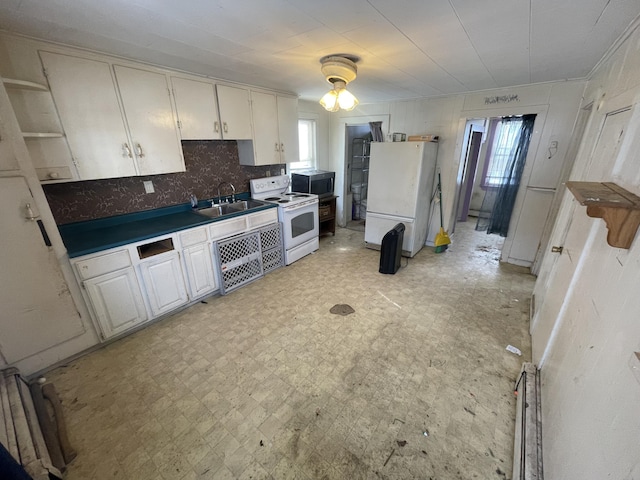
{"x":556,"y":104}
{"x":590,"y":397}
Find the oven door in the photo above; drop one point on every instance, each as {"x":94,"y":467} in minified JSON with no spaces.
{"x":300,"y":223}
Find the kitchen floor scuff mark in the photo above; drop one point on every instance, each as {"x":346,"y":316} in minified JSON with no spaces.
{"x":389,"y":300}
{"x":342,"y":309}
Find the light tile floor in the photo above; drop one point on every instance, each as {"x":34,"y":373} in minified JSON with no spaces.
{"x":266,"y":383}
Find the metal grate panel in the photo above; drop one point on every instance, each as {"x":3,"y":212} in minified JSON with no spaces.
{"x":272,"y":259}
{"x":272,"y":247}
{"x":240,"y":261}
{"x":271,"y":237}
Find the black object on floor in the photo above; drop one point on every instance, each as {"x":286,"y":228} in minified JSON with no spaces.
{"x":391,"y":249}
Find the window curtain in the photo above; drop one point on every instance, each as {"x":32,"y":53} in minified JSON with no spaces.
{"x":500,"y":201}
{"x":376,"y":131}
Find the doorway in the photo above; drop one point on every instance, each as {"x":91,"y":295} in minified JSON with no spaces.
{"x":358,"y":143}
{"x":474,"y":139}
{"x":492,"y":162}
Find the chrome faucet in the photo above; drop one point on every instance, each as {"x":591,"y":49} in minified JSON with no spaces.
{"x":233,"y":191}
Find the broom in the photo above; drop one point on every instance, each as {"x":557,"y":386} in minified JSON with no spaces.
{"x":442,"y":239}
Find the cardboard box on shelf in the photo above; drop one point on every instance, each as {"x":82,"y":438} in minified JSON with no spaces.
{"x":423,"y":138}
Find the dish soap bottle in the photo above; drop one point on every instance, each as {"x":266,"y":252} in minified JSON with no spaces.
{"x":194,"y":201}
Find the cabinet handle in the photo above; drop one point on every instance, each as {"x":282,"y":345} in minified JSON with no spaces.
{"x":43,"y":231}
{"x":127,"y":150}
{"x":277,"y":148}
{"x":225,"y":127}
{"x":139,"y":151}
{"x":216,"y":126}
{"x":282,"y":147}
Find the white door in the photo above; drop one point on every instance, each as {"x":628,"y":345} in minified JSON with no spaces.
{"x":235,"y":112}
{"x":199,"y":267}
{"x":266,"y":143}
{"x":197,"y":109}
{"x":164,"y":283}
{"x":571,"y":233}
{"x":149,"y":115}
{"x":33,"y":292}
{"x":116,"y":300}
{"x":87,"y":103}
{"x":288,"y":129}
{"x":394,"y":175}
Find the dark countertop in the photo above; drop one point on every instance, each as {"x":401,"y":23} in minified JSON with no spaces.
{"x":92,"y":236}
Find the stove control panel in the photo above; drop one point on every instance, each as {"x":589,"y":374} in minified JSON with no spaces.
{"x":279,"y":183}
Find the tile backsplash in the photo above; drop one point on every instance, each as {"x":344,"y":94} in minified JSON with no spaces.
{"x":208,"y":163}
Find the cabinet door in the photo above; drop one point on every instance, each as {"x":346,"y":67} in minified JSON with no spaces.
{"x":37,"y":309}
{"x":288,"y":129}
{"x":235,"y":112}
{"x":163,"y":283}
{"x":266,"y":144}
{"x":117,"y":301}
{"x":87,"y":102}
{"x":197,"y":109}
{"x":149,"y":115}
{"x":199,"y":268}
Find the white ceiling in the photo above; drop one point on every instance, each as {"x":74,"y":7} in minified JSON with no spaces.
{"x":408,"y":48}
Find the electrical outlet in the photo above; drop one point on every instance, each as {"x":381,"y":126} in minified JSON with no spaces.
{"x":282,"y":170}
{"x":148,"y":186}
{"x":268,"y":174}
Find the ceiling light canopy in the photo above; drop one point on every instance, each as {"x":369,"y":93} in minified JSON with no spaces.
{"x":339,"y":69}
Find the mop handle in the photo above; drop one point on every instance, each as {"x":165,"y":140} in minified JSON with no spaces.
{"x":440,"y":196}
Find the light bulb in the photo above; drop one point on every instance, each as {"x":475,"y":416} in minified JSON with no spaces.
{"x":346,"y":100}
{"x":330,"y":101}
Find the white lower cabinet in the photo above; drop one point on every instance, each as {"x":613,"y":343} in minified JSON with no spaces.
{"x":130,"y":285}
{"x":163,"y":283}
{"x":198,"y":264}
{"x":116,"y":300}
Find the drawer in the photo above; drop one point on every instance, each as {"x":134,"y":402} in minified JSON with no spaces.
{"x":324,"y":211}
{"x":265,"y":217}
{"x":94,"y":266}
{"x":228,"y":228}
{"x":193,"y":237}
{"x":54,"y":173}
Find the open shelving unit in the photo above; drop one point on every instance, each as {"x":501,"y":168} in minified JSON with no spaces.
{"x":359,"y":176}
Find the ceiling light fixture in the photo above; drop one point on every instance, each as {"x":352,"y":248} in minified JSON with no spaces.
{"x":339,"y":69}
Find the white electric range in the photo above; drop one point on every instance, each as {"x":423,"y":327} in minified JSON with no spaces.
{"x":298,"y":213}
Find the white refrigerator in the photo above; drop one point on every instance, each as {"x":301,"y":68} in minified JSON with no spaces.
{"x":401,"y":183}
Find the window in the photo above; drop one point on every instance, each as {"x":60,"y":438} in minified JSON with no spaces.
{"x":505,"y":134}
{"x":307,"y":141}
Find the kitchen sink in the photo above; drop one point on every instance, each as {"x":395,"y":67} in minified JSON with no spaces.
{"x":222,"y":209}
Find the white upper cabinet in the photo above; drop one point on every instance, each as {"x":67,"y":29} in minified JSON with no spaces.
{"x":266,"y":143}
{"x":235,"y":112}
{"x":87,"y":102}
{"x":105,"y":140}
{"x":288,"y":129}
{"x":149,"y":115}
{"x":197,"y":109}
{"x":275,"y":130}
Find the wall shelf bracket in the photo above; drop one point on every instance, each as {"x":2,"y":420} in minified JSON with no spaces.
{"x":619,"y":208}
